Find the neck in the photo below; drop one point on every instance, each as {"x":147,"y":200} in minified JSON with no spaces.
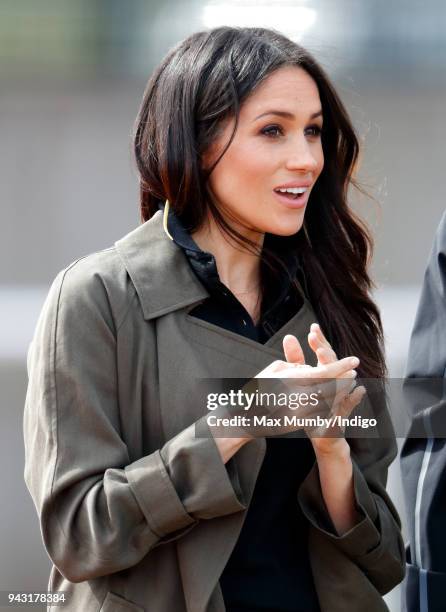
{"x":238,"y":269}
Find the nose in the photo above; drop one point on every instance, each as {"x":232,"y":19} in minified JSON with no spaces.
{"x":302,"y":156}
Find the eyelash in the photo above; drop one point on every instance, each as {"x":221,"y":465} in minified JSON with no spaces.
{"x":265,"y":131}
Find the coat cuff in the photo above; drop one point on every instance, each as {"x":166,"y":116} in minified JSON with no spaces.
{"x":206,"y":486}
{"x":156,"y":496}
{"x":363,"y":537}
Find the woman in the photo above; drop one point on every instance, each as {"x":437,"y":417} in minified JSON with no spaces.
{"x":245,"y":155}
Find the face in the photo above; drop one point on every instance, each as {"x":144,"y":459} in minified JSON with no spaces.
{"x":277,"y":145}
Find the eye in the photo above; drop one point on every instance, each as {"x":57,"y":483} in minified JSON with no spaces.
{"x":272,"y":131}
{"x":269,"y":131}
{"x":316,"y":130}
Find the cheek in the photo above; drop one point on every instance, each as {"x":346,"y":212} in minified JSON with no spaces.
{"x":249,"y":160}
{"x":240,"y":169}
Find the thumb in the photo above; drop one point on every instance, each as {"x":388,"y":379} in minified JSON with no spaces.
{"x":293,"y":350}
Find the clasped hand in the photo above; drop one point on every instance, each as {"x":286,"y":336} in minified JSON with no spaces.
{"x":333,"y":378}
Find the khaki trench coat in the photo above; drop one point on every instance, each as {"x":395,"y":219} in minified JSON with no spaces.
{"x":108,"y":432}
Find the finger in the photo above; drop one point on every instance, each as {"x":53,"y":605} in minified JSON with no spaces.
{"x":343,"y":389}
{"x":316,"y":329}
{"x":325,"y":355}
{"x":342,"y":368}
{"x":300,"y":380}
{"x":334,"y":391}
{"x":293,"y":350}
{"x":314,"y":341}
{"x":323,"y":376}
{"x":351,"y":401}
{"x":318,"y":342}
{"x":303,"y":379}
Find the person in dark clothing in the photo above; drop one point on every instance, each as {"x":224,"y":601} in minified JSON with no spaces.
{"x":423,"y":459}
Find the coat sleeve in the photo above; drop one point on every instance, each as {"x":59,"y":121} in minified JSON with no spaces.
{"x":375,"y":543}
{"x":100,"y":512}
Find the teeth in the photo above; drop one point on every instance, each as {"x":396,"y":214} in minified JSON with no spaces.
{"x":294,"y":190}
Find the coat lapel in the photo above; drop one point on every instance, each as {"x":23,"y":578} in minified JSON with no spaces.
{"x":163,"y":279}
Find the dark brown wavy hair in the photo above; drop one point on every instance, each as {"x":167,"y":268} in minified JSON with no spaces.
{"x":202,"y":82}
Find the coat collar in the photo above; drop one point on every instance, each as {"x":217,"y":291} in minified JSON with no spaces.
{"x":159,"y":270}
{"x":205,"y":267}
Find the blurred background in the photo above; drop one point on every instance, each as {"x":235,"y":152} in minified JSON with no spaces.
{"x":72,"y":74}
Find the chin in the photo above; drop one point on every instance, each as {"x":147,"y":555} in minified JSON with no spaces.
{"x":285,"y":229}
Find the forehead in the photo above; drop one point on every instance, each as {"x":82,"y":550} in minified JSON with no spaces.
{"x":289,"y":88}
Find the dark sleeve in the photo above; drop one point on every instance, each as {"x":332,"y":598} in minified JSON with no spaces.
{"x":99,"y":511}
{"x":427,"y":353}
{"x":423,"y":455}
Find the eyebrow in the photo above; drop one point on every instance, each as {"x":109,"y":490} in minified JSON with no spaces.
{"x":286,"y":114}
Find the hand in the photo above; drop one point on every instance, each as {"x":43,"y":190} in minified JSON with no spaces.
{"x":326,"y":440}
{"x":325,"y":381}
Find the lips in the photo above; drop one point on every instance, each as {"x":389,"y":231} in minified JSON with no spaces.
{"x":292,"y":202}
{"x":290,"y":195}
{"x":294,"y":184}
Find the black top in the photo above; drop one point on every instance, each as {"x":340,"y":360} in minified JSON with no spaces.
{"x":269,"y":567}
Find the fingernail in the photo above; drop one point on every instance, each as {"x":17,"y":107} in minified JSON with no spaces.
{"x":354,"y":361}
